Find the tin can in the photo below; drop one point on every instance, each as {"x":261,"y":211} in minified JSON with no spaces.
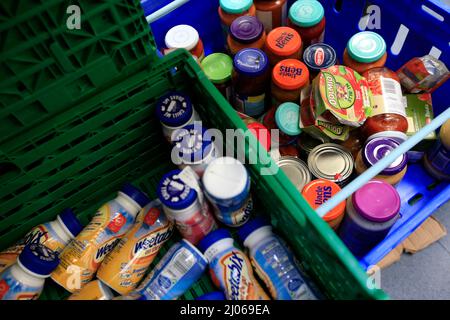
{"x":227,"y":186}
{"x":193,"y":146}
{"x":306,"y":144}
{"x":296,"y":170}
{"x":175,"y":273}
{"x":182,"y":206}
{"x":332,"y":162}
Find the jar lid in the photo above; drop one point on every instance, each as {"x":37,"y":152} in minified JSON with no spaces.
{"x":366,"y":46}
{"x":306,"y":13}
{"x":192,"y":143}
{"x":319,"y":56}
{"x":218,"y":67}
{"x":290,"y":74}
{"x":38,"y":259}
{"x":134,"y":193}
{"x":287,"y":118}
{"x":246,"y":29}
{"x":296,"y":170}
{"x":283,"y":41}
{"x":261,"y":133}
{"x":398,"y":136}
{"x":174,"y":193}
{"x":70,"y":220}
{"x":317,"y":192}
{"x":235,"y":6}
{"x":377,"y":148}
{"x":182,"y":36}
{"x":213,"y":237}
{"x":251,"y":62}
{"x":174,"y":109}
{"x":252,"y":225}
{"x":331,"y":161}
{"x":377,"y":201}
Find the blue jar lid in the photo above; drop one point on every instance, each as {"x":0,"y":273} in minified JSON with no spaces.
{"x":319,"y":56}
{"x":135,"y":194}
{"x":250,"y":226}
{"x":39,"y":259}
{"x":215,"y":295}
{"x":306,"y":13}
{"x":287,"y":118}
{"x":174,"y":109}
{"x":212,"y":238}
{"x":235,"y":6}
{"x":192,"y":143}
{"x":251,"y":62}
{"x":174,"y":193}
{"x":71,"y":222}
{"x":366,"y":47}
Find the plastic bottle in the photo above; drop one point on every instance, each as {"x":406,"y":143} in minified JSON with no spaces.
{"x":94,"y":290}
{"x":25,"y":279}
{"x":230,"y":269}
{"x":83,"y":256}
{"x":273,"y":262}
{"x":55,"y":235}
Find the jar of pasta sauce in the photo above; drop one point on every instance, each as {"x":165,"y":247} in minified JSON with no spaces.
{"x":317,"y":57}
{"x":388,"y":110}
{"x":371,"y":212}
{"x":283,"y":43}
{"x":229,"y":10}
{"x":307,"y":17}
{"x":365,"y":50}
{"x":218,"y":68}
{"x":289,"y":78}
{"x":437,"y":159}
{"x":250,"y":81}
{"x":272,"y":13}
{"x":246,"y":32}
{"x":184,"y":36}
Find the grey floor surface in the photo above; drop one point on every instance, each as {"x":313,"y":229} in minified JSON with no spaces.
{"x":423,"y":275}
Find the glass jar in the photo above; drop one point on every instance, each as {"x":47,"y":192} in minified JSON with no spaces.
{"x":437,"y":159}
{"x":289,"y":78}
{"x":229,"y":10}
{"x":218,"y":68}
{"x":250,"y":80}
{"x":354,"y":143}
{"x":365,"y":50}
{"x":272,"y":13}
{"x":246,"y":32}
{"x":317,"y":57}
{"x":258,"y":130}
{"x":376,"y":149}
{"x":283,"y":43}
{"x":186,"y":37}
{"x":307,"y":17}
{"x":287,"y":120}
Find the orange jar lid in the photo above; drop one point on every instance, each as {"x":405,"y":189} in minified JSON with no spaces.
{"x":319,"y":191}
{"x":283,"y":41}
{"x":290,"y":74}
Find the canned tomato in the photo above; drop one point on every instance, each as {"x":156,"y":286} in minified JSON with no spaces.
{"x":332,"y":162}
{"x":193,"y":146}
{"x":182,"y":205}
{"x":174,"y":111}
{"x":296,"y":170}
{"x":227,"y":186}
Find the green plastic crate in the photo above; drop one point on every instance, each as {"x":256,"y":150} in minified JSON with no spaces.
{"x":47,"y":68}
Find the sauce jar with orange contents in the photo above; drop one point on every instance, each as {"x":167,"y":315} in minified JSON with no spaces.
{"x":365,"y":50}
{"x":318,"y":192}
{"x":289,"y":77}
{"x":186,"y":37}
{"x":388,"y":110}
{"x":307,"y":17}
{"x":229,"y":10}
{"x":246,"y":32}
{"x":272,"y":13}
{"x":283,"y":43}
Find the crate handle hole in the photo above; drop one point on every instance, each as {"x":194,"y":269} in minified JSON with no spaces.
{"x":8,"y":169}
{"x":338,"y":5}
{"x":432,"y":13}
{"x":400,"y":38}
{"x":433,"y":185}
{"x":416,"y":198}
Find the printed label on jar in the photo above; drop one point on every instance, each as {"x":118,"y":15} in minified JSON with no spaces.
{"x":387,"y":97}
{"x":251,"y":106}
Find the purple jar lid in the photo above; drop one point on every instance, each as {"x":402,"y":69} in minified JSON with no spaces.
{"x":377,"y":148}
{"x":251,"y":62}
{"x":376,"y":201}
{"x":246,"y":29}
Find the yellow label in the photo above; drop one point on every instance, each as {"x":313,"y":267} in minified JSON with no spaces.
{"x":91,"y":291}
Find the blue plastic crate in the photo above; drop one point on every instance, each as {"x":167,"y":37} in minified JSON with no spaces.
{"x":428,"y":30}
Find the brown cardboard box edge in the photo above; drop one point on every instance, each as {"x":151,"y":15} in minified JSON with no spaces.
{"x":430,"y":231}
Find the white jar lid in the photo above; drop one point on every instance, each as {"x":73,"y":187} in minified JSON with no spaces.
{"x":182,"y":36}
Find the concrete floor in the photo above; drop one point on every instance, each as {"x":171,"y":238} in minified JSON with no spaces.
{"x":423,"y":275}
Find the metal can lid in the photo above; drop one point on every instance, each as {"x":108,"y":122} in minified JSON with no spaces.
{"x":331,"y":161}
{"x":399,"y":136}
{"x":246,"y":29}
{"x":251,"y":62}
{"x":377,"y":148}
{"x":306,"y":13}
{"x":319,"y":56}
{"x":366,"y":46}
{"x":296,"y":170}
{"x":287,"y":118}
{"x":235,"y":6}
{"x":307,"y":143}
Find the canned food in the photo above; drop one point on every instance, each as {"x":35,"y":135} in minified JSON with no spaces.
{"x":306,"y":144}
{"x":296,"y":170}
{"x":332,"y":162}
{"x":227,"y":186}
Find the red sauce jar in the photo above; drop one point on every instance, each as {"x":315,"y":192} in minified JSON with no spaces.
{"x":308,"y":19}
{"x":246,"y":32}
{"x":272,"y":13}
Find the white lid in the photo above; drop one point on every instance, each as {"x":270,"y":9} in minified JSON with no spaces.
{"x":182,"y":36}
{"x":225,"y":178}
